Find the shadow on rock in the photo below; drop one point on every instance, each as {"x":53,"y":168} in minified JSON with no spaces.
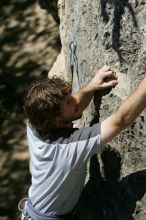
{"x":51,"y":7}
{"x":119,"y":10}
{"x":108,"y":198}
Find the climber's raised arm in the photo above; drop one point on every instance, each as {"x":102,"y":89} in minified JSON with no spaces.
{"x":106,"y":77}
{"x":125,"y":115}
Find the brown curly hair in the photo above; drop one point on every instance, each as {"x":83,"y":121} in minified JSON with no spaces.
{"x":42,"y":102}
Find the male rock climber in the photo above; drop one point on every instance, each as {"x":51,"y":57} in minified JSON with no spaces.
{"x":59,"y":152}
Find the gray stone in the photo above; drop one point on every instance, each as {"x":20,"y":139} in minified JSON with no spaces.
{"x":110,"y":32}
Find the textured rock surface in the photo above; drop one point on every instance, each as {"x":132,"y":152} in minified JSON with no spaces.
{"x":110,"y":32}
{"x":58,"y":67}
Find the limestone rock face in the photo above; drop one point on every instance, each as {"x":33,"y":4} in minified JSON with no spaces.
{"x":94,"y":33}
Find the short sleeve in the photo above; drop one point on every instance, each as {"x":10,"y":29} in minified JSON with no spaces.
{"x":83,"y":144}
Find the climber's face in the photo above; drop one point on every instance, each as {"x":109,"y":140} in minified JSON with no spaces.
{"x":70,"y":110}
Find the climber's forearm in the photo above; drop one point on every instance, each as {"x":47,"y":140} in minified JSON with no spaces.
{"x":134,"y":104}
{"x":83,"y":97}
{"x":125,"y":115}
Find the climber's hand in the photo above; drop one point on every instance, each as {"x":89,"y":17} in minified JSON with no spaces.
{"x":106,"y":77}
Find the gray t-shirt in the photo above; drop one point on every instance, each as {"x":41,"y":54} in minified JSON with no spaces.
{"x":58,"y":167}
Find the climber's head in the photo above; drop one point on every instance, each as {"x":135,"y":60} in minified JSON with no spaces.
{"x":49,"y":105}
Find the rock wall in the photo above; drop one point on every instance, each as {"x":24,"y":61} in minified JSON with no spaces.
{"x":113,"y":32}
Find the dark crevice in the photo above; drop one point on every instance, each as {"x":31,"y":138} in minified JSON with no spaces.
{"x":51,"y":7}
{"x":119,"y":10}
